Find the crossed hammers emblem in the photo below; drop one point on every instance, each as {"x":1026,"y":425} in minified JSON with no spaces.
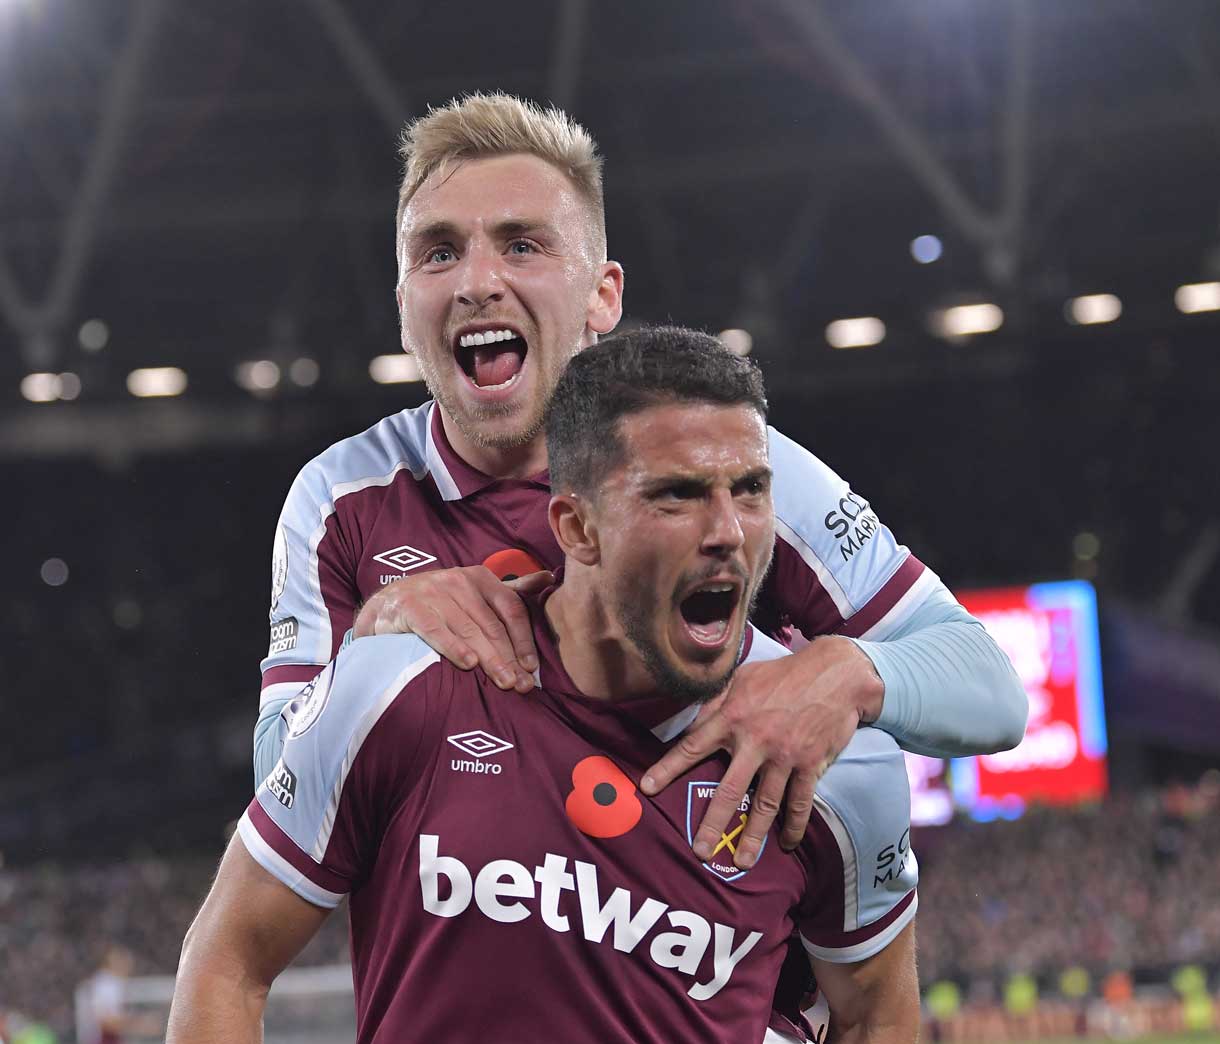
{"x":726,"y":840}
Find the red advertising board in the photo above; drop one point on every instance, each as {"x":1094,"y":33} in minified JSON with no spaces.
{"x":1049,"y":632}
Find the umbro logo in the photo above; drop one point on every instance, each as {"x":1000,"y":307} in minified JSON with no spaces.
{"x":478,"y":744}
{"x":404,"y":558}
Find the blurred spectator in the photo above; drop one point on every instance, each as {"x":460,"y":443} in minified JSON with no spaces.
{"x":101,"y":1004}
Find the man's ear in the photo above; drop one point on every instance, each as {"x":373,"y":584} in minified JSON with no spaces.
{"x":606,"y":300}
{"x":574,"y":528}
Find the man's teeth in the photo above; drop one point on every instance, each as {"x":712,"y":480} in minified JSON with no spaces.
{"x":716,"y":589}
{"x":487,"y":337}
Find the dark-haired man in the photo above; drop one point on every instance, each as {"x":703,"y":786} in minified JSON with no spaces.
{"x":503,"y":276}
{"x":508,"y":879}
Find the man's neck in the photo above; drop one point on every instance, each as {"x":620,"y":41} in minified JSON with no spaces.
{"x":598,"y":659}
{"x":513,"y":462}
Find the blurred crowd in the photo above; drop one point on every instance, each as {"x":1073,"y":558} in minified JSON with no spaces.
{"x":1131,"y":884}
{"x":58,"y":924}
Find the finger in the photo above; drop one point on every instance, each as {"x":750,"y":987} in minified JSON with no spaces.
{"x":515,"y":617}
{"x":691,"y":749}
{"x":763,"y":809}
{"x":441,"y":639}
{"x":531,"y":583}
{"x":798,"y":806}
{"x":484,"y":631}
{"x":500,"y":669}
{"x":724,"y":810}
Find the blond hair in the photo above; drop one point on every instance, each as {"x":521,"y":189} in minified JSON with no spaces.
{"x":497,"y":124}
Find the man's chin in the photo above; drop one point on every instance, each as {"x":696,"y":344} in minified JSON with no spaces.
{"x":492,"y":425}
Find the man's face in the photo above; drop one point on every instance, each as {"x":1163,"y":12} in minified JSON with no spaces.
{"x":686,"y":529}
{"x":499,"y":285}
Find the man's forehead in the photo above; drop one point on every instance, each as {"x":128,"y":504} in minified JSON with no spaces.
{"x":490,"y":189}
{"x":688,"y":438}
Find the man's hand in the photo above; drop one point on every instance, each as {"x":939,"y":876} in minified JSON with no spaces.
{"x":788,"y":718}
{"x":467,"y":615}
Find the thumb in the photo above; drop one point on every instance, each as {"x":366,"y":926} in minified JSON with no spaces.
{"x":531,"y":583}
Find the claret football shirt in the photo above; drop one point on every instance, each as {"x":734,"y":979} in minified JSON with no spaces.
{"x":396,"y":500}
{"x":509,"y":882}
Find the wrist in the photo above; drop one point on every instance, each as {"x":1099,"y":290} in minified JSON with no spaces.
{"x":870,"y":689}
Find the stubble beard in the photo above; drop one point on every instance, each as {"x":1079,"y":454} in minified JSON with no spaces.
{"x":473,"y":422}
{"x":634,"y":607}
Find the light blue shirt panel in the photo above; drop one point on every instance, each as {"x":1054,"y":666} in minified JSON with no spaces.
{"x":868,"y":790}
{"x":806,"y":493}
{"x":348,"y":698}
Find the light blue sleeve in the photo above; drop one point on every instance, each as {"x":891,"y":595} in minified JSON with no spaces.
{"x":274,"y":713}
{"x":949,"y":689}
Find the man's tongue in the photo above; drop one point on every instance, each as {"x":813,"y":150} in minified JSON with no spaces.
{"x":496,"y":363}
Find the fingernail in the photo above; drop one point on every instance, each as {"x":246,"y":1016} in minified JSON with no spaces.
{"x":702,"y":849}
{"x":647,"y":783}
{"x":746,"y":856}
{"x":505,"y":679}
{"x":530,"y":662}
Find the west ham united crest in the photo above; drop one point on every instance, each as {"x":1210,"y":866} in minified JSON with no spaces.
{"x":698,"y":797}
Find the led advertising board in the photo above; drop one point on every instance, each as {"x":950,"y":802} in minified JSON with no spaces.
{"x":1049,"y":631}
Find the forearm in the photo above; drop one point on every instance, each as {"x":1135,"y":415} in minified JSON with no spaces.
{"x":877,"y":1027}
{"x":215,"y":1004}
{"x":949,"y":689}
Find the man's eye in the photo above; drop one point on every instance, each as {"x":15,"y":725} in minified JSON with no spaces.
{"x":521,"y":247}
{"x":440,"y":256}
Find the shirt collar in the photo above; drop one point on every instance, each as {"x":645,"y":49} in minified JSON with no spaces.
{"x":455,"y":478}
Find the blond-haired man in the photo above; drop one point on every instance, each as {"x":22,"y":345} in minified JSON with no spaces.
{"x":434,"y":519}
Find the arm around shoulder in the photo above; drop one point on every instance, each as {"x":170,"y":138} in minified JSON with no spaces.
{"x":949,"y":689}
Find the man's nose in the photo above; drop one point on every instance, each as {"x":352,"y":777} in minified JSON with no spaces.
{"x":723,"y":533}
{"x":480,"y":283}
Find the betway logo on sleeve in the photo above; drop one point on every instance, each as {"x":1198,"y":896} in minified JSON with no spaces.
{"x":497,"y":890}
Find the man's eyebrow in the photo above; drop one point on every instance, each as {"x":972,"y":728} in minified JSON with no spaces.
{"x":433,"y":231}
{"x":519,"y":226}
{"x":759,"y":474}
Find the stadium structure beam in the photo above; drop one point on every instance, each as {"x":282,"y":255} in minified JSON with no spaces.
{"x":363,"y":63}
{"x":1005,"y":249}
{"x":40,"y":320}
{"x":569,"y":47}
{"x":905,"y":137}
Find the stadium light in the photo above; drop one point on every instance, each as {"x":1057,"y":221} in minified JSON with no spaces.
{"x":863,"y":332}
{"x":926,"y":249}
{"x":1092,"y":309}
{"x":69,"y":386}
{"x":967,"y":320}
{"x":395,"y":369}
{"x":1197,"y":297}
{"x":739,"y":342}
{"x":304,"y":372}
{"x":41,"y":387}
{"x":54,"y":572}
{"x":93,"y":335}
{"x":259,"y":376}
{"x":156,"y":382}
